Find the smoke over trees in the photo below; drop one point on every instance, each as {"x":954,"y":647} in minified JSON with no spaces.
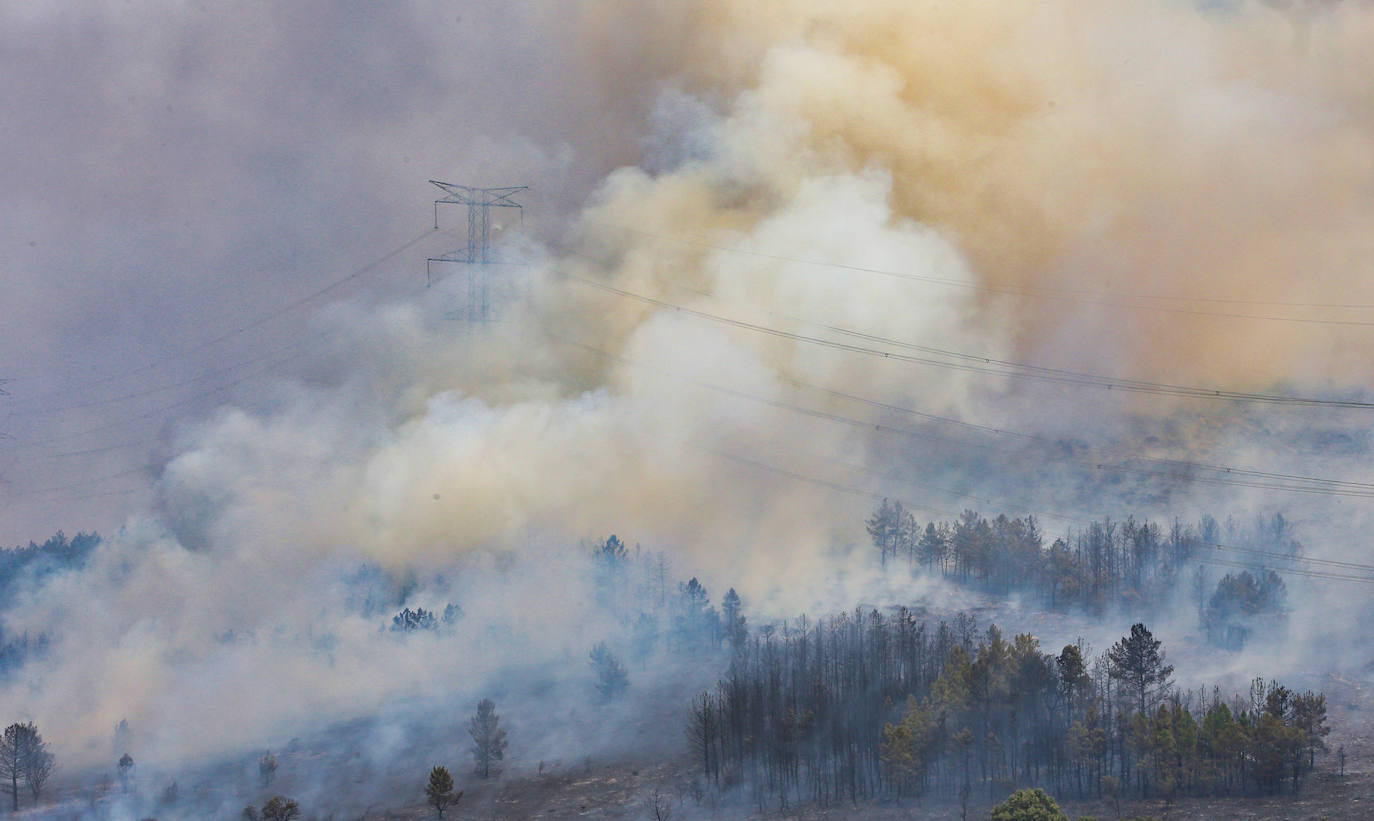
{"x":1102,"y":565}
{"x":1243,"y":604}
{"x":866,"y":705}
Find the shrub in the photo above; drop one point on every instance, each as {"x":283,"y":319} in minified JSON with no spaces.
{"x":1028,"y":805}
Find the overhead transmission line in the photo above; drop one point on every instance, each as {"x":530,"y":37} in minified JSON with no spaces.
{"x":1081,"y":296}
{"x":300,"y":347}
{"x":244,"y":327}
{"x":1325,"y":568}
{"x":1186,"y":464}
{"x":1316,"y":573}
{"x":981,"y":364}
{"x":1271,"y":557}
{"x":1328,"y":487}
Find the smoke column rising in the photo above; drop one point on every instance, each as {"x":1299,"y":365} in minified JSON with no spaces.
{"x":1062,"y":170}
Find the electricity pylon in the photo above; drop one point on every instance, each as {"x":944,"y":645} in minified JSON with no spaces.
{"x":477,"y":255}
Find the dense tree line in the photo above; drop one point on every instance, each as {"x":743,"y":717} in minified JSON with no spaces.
{"x":1106,"y":562}
{"x":33,"y":562}
{"x":30,"y":565}
{"x":868,"y":705}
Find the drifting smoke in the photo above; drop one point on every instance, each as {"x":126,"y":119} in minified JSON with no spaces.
{"x":1074,"y":184}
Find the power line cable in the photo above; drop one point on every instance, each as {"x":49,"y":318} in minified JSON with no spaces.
{"x":1166,"y":462}
{"x":1081,"y":296}
{"x":252,"y":324}
{"x":1025,"y":506}
{"x":969,"y":362}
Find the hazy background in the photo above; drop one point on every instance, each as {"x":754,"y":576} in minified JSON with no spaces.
{"x":178,"y":171}
{"x":1167,"y":192}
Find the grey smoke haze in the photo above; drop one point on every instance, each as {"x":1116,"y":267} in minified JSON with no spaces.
{"x":175,"y":171}
{"x":172,"y":175}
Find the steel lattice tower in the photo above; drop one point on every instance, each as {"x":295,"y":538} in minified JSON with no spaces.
{"x":477,"y":255}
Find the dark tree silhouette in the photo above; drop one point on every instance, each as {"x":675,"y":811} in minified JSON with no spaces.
{"x":735,"y":625}
{"x":611,"y":678}
{"x":38,"y":767}
{"x":1138,"y":663}
{"x":267,"y":768}
{"x":417,"y":619}
{"x":488,"y":739}
{"x":865,"y":705}
{"x":23,"y":753}
{"x":126,"y":768}
{"x":122,"y":740}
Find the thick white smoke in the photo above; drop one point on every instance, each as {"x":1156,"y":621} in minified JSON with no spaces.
{"x":1022,"y":155}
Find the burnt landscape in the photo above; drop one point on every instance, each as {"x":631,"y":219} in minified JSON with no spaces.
{"x":660,"y":409}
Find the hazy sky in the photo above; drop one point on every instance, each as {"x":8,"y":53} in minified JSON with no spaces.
{"x":174,"y":172}
{"x":909,"y":195}
{"x":177,"y":177}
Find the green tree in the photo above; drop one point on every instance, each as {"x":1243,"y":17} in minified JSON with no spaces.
{"x":439,"y":790}
{"x":906,"y":747}
{"x":1138,"y":663}
{"x":885,"y":528}
{"x":1074,"y":681}
{"x":1028,"y":805}
{"x":736,"y":628}
{"x":488,"y":739}
{"x":1308,"y":713}
{"x":280,"y":808}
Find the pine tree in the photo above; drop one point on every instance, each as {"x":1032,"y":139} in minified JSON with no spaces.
{"x":612,"y":680}
{"x":439,"y":791}
{"x":736,"y":628}
{"x":1138,"y":663}
{"x":1073,"y":676}
{"x":488,"y":739}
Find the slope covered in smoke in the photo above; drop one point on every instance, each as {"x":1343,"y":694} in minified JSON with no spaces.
{"x":922,"y":206}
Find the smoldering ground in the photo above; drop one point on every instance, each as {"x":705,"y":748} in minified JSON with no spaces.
{"x":771,"y":208}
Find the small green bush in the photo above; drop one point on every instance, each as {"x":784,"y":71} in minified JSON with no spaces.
{"x":1028,"y":805}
